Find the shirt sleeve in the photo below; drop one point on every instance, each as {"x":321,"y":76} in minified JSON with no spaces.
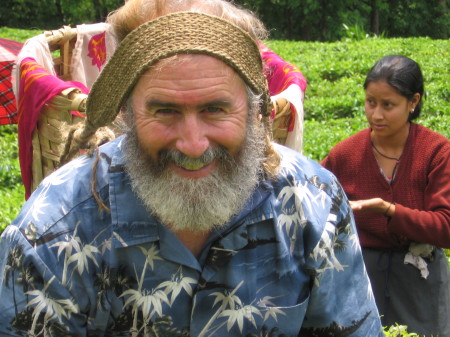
{"x":34,"y":299}
{"x":340,"y":281}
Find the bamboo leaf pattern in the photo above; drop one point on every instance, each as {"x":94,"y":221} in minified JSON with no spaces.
{"x":52,"y":308}
{"x":237,"y":316}
{"x":82,"y":256}
{"x":149,"y":301}
{"x":151,"y":255}
{"x":176,"y":284}
{"x":83,"y":253}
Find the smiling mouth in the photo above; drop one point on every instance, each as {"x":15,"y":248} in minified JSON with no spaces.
{"x":187,"y":163}
{"x":193,"y":166}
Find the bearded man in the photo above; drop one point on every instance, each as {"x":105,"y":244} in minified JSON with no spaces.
{"x":193,"y":223}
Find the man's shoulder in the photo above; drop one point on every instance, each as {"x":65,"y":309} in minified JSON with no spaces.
{"x":308,"y":200}
{"x":299,"y":171}
{"x":65,"y":199}
{"x":76,"y":175}
{"x":297,"y":166}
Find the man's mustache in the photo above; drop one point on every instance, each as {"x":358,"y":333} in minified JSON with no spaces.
{"x":189,"y":163}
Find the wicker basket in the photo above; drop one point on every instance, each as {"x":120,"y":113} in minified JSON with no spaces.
{"x":62,"y":41}
{"x":56,"y":117}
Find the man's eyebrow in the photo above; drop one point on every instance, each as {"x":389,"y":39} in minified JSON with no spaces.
{"x":152,"y":103}
{"x":217,"y":102}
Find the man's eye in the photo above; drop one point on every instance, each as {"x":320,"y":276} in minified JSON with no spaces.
{"x":165,"y":111}
{"x":213,"y":109}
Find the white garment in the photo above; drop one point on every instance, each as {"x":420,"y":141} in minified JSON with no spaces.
{"x":83,"y":67}
{"x":416,"y":254}
{"x":295,"y":96}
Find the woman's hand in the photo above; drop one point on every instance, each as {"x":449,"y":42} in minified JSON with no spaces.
{"x":376,"y":205}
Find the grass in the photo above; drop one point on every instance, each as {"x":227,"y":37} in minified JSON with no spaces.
{"x":11,"y":188}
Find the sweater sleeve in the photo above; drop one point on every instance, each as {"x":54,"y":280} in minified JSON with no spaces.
{"x":431,"y":225}
{"x":326,"y":162}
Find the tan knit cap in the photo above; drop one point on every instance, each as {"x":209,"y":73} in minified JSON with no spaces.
{"x":176,"y":33}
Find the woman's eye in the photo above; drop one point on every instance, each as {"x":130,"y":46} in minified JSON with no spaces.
{"x":388,"y":104}
{"x":370,"y":101}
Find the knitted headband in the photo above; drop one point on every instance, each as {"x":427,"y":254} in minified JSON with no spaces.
{"x":176,"y":33}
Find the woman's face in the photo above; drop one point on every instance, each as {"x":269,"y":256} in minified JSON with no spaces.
{"x":386,"y":110}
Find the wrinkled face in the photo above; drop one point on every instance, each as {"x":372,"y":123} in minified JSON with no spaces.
{"x":193,"y":153}
{"x":192,"y":104}
{"x":386,"y":110}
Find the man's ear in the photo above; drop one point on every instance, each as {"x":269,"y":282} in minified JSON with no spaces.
{"x":124,"y":117}
{"x":259,"y":116}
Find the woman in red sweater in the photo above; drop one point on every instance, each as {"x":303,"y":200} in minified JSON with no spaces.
{"x":397,"y":175}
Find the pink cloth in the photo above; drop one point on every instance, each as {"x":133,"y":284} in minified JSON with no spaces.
{"x":280,"y":74}
{"x":285,"y":80}
{"x":36,"y":87}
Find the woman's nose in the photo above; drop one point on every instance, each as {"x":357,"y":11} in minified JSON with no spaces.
{"x":377,"y":112}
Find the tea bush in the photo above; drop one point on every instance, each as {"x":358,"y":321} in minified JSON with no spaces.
{"x":334,"y":103}
{"x":11,"y":188}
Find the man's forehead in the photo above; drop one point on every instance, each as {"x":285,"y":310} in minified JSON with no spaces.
{"x":199,"y":79}
{"x":205,"y":64}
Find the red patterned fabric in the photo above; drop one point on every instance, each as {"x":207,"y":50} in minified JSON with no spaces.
{"x":8,"y":53}
{"x":97,"y":50}
{"x":10,"y":46}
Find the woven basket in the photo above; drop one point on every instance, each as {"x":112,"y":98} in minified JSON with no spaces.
{"x":56,"y":117}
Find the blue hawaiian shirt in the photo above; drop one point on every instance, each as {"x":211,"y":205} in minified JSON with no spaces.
{"x":289,"y":264}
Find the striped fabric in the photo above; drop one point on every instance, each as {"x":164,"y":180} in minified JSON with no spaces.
{"x":37,"y":86}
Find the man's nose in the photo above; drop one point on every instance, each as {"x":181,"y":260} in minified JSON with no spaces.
{"x":192,"y":139}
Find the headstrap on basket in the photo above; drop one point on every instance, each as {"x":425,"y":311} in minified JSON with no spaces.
{"x":176,"y":33}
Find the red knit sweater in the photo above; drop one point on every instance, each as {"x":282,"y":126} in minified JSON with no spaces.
{"x":421,"y":189}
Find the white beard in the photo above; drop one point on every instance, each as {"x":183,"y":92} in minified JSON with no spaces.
{"x":197,"y":204}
